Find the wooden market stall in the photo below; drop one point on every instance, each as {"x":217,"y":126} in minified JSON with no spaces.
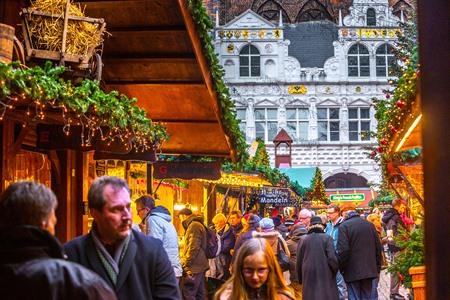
{"x":154,"y":53}
{"x":405,"y":168}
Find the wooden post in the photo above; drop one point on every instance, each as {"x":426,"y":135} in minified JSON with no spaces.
{"x":434,"y":46}
{"x":418,"y":282}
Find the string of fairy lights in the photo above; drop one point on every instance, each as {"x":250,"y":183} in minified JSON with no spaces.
{"x":39,"y":92}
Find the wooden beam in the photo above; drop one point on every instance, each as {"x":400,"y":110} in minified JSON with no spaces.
{"x":434,"y":46}
{"x":191,"y":138}
{"x":169,"y":43}
{"x":205,"y":69}
{"x":188,"y":99}
{"x":147,"y":70}
{"x":138,"y":13}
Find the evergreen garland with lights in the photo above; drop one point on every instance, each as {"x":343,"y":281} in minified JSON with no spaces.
{"x":392,"y":112}
{"x":111,"y":116}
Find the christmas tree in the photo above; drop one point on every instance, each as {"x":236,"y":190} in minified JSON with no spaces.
{"x":317,"y":193}
{"x":261,"y":156}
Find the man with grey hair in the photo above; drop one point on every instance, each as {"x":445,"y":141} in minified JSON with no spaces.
{"x":134,"y":265}
{"x":32,"y":261}
{"x":304,"y":217}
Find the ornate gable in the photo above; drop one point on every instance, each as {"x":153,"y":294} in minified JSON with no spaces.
{"x":249,"y":19}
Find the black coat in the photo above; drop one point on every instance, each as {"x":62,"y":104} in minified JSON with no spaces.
{"x":391,"y":221}
{"x":317,"y":266}
{"x":145,"y":272}
{"x":32,"y":266}
{"x":359,"y":249}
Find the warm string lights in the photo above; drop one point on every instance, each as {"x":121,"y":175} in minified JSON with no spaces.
{"x":109,"y":116}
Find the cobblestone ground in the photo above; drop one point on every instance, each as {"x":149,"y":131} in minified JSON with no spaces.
{"x":383,"y":287}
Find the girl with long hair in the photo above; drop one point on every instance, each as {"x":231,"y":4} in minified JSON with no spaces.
{"x":256,"y":275}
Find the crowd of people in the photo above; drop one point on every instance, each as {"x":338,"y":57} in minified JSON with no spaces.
{"x":337,"y":255}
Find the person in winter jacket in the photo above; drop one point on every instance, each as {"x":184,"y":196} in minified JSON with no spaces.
{"x":317,"y":263}
{"x":193,"y":256}
{"x":256,"y":275}
{"x":134,"y":265}
{"x":280,"y":227}
{"x":144,"y":206}
{"x":32,"y":262}
{"x":332,"y":229}
{"x":359,"y":254}
{"x":219,"y":267}
{"x":234,"y":219}
{"x":160,"y":227}
{"x":252,"y":225}
{"x":275,"y":240}
{"x":392,"y":221}
{"x":298,"y":231}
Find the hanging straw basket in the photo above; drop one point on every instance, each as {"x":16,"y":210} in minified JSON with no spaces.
{"x":58,"y":30}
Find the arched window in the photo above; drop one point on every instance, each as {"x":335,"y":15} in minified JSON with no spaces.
{"x":249,"y":62}
{"x":358,"y":61}
{"x":385,"y":60}
{"x":371,"y":18}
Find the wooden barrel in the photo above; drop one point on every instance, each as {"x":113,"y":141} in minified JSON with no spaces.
{"x":6,"y":43}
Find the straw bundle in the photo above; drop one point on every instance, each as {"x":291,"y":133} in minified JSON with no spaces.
{"x":46,"y":33}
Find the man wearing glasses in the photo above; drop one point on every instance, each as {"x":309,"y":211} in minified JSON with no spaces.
{"x":335,"y":219}
{"x":304,"y":217}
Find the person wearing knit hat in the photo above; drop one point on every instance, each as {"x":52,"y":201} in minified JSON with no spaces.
{"x":266,"y":224}
{"x":317,"y":263}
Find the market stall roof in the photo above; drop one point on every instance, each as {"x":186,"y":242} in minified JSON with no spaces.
{"x":240,"y":179}
{"x":302,"y":175}
{"x":155,"y":54}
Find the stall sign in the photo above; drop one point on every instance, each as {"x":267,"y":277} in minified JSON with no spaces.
{"x":277,"y":196}
{"x":186,"y":170}
{"x":347,"y":197}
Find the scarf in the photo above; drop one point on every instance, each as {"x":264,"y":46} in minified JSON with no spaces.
{"x":110,"y":264}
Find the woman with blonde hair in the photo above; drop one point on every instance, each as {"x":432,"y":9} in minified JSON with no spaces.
{"x":256,"y":275}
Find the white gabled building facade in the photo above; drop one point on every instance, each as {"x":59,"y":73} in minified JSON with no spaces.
{"x":317,"y":80}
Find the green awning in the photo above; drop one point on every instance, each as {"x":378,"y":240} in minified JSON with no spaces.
{"x":302,"y":175}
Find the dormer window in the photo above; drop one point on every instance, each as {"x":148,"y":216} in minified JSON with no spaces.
{"x":371,"y":18}
{"x":249,"y":62}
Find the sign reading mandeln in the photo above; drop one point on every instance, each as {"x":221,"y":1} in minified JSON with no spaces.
{"x":347,"y":197}
{"x":276,"y":196}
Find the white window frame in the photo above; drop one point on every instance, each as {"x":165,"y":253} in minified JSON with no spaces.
{"x":328,"y":122}
{"x":249,"y":55}
{"x":359,"y":120}
{"x":386,"y":56}
{"x":243,"y":121}
{"x":297,"y":120}
{"x":265,"y":123}
{"x":358,"y":56}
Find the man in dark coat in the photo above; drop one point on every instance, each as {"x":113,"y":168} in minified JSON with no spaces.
{"x":392,"y":221}
{"x":317,"y":263}
{"x":294,"y":237}
{"x":32,"y":262}
{"x":359,"y":254}
{"x":193,"y":257}
{"x":134,"y":265}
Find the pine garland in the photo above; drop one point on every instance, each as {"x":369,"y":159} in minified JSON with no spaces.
{"x":112,"y":116}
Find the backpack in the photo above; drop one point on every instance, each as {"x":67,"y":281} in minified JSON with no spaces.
{"x":213,"y":243}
